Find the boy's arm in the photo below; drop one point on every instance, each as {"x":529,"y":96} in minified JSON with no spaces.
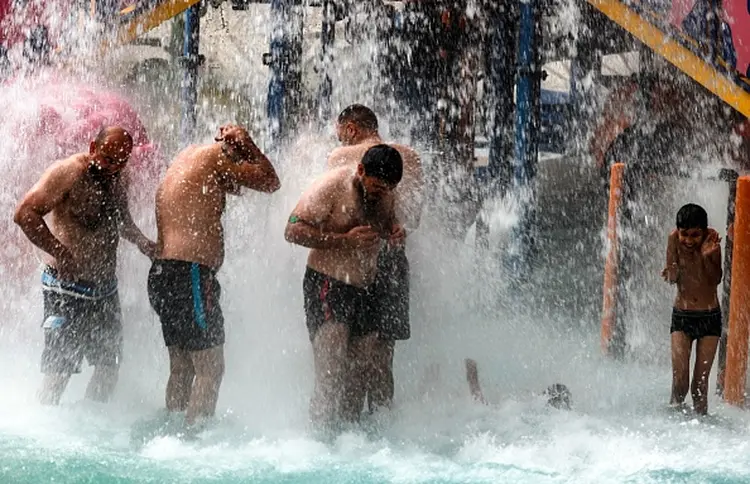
{"x":670,"y":272}
{"x":711,"y":252}
{"x":472,"y":377}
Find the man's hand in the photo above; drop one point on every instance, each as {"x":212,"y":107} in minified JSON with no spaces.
{"x":398,"y":236}
{"x":711,"y":244}
{"x":362,"y":237}
{"x":147,"y":248}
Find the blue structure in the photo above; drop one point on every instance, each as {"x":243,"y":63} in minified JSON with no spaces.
{"x":528,"y":92}
{"x":190,"y":61}
{"x":327,"y":39}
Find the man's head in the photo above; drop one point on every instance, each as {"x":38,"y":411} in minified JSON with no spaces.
{"x":692,"y":225}
{"x":236,"y":144}
{"x":558,"y":396}
{"x":380,"y":171}
{"x":110,"y":150}
{"x":355,"y":123}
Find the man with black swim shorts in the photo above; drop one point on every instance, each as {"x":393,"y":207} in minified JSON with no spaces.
{"x":182,"y":284}
{"x":357,"y":130}
{"x":85,"y":196}
{"x":344,"y":218}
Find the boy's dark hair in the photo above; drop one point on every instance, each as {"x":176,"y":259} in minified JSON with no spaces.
{"x":384,"y":163}
{"x":692,"y":216}
{"x":360,"y":115}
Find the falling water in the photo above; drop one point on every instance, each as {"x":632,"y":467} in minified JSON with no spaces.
{"x":462,"y":306}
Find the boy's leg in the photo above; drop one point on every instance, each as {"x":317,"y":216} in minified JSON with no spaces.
{"x":681,"y":347}
{"x":705,"y":349}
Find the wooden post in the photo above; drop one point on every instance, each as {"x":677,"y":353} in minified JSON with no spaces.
{"x":611,"y":268}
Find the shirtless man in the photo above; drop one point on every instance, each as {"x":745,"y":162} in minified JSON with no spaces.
{"x":182,"y":284}
{"x":345,"y":217}
{"x":85,"y":196}
{"x":357,"y":129}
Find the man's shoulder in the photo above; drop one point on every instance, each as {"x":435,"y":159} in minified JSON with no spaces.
{"x":405,"y":150}
{"x":345,"y":155}
{"x":74,"y":165}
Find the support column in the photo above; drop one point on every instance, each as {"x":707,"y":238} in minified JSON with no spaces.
{"x":528,"y":91}
{"x":189,"y":62}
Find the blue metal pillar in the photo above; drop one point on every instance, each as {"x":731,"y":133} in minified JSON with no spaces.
{"x":280,"y":13}
{"x":494,"y":180}
{"x":327,"y":39}
{"x":189,"y":62}
{"x":284,"y":60}
{"x":528,"y":92}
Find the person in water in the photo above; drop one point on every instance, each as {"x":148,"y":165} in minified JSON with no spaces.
{"x":694,"y":265}
{"x":357,"y":130}
{"x":182,"y":284}
{"x":557,"y":394}
{"x":344,"y":218}
{"x":86,"y":198}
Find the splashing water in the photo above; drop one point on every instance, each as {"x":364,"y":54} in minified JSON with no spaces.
{"x":618,"y":431}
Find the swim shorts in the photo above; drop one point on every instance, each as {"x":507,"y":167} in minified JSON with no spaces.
{"x":186,"y":296}
{"x":392,"y":294}
{"x":697,"y":324}
{"x":328,"y":300}
{"x":81,"y":319}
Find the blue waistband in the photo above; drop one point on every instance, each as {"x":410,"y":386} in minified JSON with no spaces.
{"x":80,"y":289}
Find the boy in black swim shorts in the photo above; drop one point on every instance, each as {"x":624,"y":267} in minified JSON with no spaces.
{"x":694,"y":265}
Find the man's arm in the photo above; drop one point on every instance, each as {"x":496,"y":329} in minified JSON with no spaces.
{"x":259,"y":175}
{"x":127,"y":227}
{"x":43,"y":197}
{"x":472,"y":377}
{"x":313,"y":210}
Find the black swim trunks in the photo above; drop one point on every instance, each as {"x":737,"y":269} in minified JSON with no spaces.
{"x":330,"y":300}
{"x":392,"y":294}
{"x":80,"y":319}
{"x":697,"y":324}
{"x":186,"y":296}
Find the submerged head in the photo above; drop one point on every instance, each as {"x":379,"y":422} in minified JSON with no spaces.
{"x":355,"y":123}
{"x":558,"y":396}
{"x":692,"y":225}
{"x":380,"y":171}
{"x":110,"y":150}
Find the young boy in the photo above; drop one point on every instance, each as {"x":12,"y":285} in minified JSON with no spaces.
{"x":694,"y":265}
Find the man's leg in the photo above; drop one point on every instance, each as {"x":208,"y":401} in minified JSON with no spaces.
{"x":359,"y":372}
{"x":330,"y":347}
{"x":180,"y":383}
{"x":380,"y":384}
{"x":705,"y":350}
{"x":209,"y":371}
{"x":103,"y":382}
{"x":53,"y":386}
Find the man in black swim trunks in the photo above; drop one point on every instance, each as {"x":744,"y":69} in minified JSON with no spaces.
{"x":345,"y":217}
{"x":85,"y":195}
{"x":182,"y":284}
{"x":357,"y":130}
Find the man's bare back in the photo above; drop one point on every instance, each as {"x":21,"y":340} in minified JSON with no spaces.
{"x":192,"y":197}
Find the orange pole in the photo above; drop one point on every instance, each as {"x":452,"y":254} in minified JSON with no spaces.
{"x":611,"y":267}
{"x":737,"y":337}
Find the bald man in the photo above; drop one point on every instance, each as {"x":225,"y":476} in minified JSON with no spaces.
{"x":182,"y":284}
{"x":85,"y":198}
{"x":357,"y":130}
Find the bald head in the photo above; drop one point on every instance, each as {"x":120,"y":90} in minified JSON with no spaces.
{"x":111,"y":149}
{"x":113,"y":134}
